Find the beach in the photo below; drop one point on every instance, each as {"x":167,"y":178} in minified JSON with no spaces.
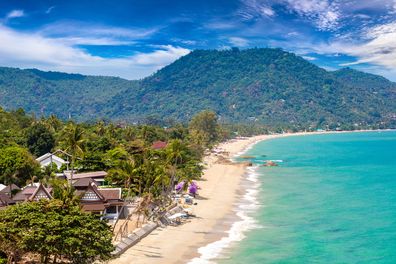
{"x":221,"y":189}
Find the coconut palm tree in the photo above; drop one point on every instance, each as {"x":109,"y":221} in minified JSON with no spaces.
{"x":175,"y":155}
{"x":73,"y":142}
{"x":124,"y":169}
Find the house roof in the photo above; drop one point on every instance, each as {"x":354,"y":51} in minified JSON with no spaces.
{"x":5,"y":200}
{"x":30,"y":192}
{"x":92,"y":194}
{"x":2,"y":186}
{"x":41,"y":193}
{"x":93,"y":175}
{"x":93,"y":207}
{"x":7,"y":188}
{"x":159,"y":144}
{"x":111,"y":193}
{"x":48,"y":156}
{"x":84,"y":182}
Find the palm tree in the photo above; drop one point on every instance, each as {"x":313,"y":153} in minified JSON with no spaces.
{"x":124,"y":169}
{"x":73,"y":141}
{"x":175,"y":155}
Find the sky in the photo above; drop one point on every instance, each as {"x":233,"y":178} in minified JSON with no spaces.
{"x":133,"y":39}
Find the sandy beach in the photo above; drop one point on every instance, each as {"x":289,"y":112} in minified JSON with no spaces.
{"x":179,"y":244}
{"x":214,"y":212}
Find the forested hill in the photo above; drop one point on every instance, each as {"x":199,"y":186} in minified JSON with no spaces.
{"x":267,"y":86}
{"x":81,"y":97}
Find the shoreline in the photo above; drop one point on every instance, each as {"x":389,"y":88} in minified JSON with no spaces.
{"x":207,"y":236}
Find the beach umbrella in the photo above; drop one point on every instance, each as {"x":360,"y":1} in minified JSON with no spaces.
{"x":179,"y":186}
{"x":193,"y":188}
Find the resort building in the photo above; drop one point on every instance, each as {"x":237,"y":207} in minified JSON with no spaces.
{"x":49,"y":158}
{"x":105,"y":201}
{"x":33,"y":193}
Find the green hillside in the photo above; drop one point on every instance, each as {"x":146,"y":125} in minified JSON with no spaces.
{"x":268,"y":86}
{"x":58,"y":93}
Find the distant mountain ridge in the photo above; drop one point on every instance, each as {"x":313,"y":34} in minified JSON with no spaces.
{"x":268,"y":86}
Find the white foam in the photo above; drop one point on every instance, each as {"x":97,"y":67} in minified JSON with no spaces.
{"x":248,"y":204}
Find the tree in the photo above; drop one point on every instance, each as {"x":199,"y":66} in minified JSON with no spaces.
{"x":17,"y":165}
{"x":51,"y":229}
{"x":39,"y":139}
{"x":73,"y":142}
{"x":124,"y":170}
{"x":204,"y":128}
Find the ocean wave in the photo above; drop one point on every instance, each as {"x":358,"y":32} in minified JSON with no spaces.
{"x":248,"y":204}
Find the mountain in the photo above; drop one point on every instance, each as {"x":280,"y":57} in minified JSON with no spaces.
{"x":268,"y":86}
{"x":58,"y":93}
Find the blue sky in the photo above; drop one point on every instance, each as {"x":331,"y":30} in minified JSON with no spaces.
{"x":133,"y":39}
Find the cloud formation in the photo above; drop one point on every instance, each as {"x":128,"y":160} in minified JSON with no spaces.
{"x":324,"y":14}
{"x":15,"y":14}
{"x":33,"y":50}
{"x":255,"y":9}
{"x":238,"y":42}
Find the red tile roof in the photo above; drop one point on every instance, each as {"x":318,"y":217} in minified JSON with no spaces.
{"x":159,"y":145}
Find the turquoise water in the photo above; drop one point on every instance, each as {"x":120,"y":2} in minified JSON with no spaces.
{"x":332,"y":200}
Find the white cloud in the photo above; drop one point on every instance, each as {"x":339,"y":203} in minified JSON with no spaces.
{"x":160,"y":57}
{"x":49,"y":10}
{"x":102,"y":41}
{"x":324,"y":14}
{"x":309,"y":58}
{"x":254,"y":9}
{"x":78,"y":29}
{"x":378,"y":46}
{"x":34,"y":50}
{"x":15,"y":14}
{"x":238,"y":42}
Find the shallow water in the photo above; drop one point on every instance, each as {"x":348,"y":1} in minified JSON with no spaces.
{"x":331,"y":200}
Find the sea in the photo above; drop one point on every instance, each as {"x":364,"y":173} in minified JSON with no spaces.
{"x":331,"y":199}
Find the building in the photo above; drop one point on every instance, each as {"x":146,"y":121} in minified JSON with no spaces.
{"x":33,"y":193}
{"x":49,"y":158}
{"x":10,"y":190}
{"x":159,"y":145}
{"x":98,"y":176}
{"x":104,"y":201}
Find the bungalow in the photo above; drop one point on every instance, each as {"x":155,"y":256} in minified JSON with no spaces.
{"x":106,"y":201}
{"x":49,"y":158}
{"x":33,"y":193}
